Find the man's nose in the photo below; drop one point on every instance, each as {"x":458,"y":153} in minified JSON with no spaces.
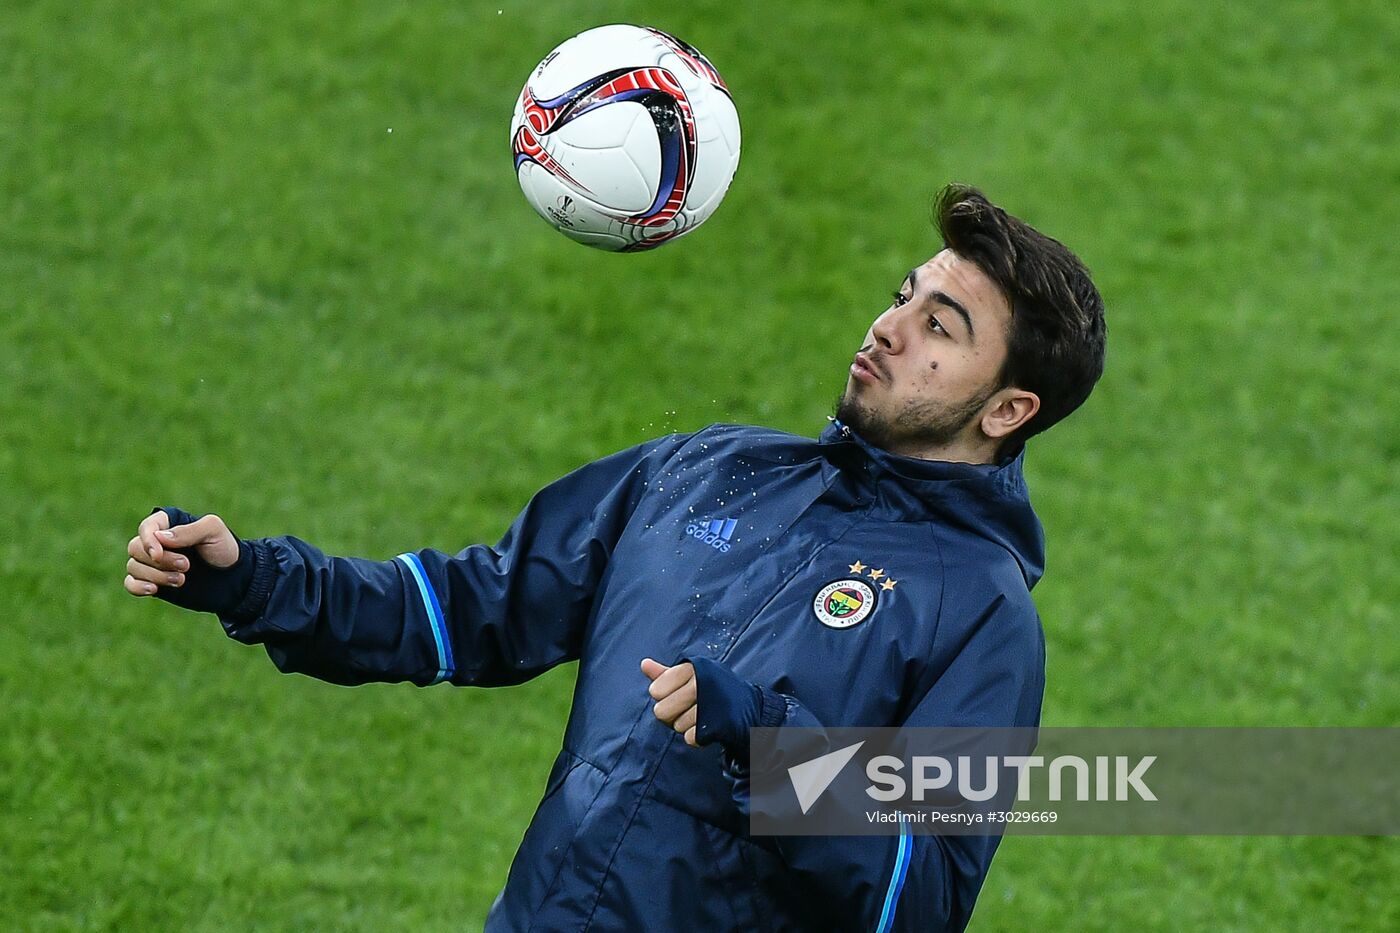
{"x":887,"y":332}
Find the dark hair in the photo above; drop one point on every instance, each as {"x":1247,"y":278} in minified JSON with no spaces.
{"x":1055,"y":347}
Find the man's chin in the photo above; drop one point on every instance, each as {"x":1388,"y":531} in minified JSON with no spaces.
{"x":852,"y":414}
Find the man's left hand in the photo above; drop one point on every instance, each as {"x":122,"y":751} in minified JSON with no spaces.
{"x":675,"y":693}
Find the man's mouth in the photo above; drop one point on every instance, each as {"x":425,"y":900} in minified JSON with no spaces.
{"x":866,"y":369}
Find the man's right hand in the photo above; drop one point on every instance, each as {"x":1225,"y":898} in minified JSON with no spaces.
{"x":152,"y":562}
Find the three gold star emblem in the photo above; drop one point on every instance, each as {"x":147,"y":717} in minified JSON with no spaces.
{"x":875,"y":573}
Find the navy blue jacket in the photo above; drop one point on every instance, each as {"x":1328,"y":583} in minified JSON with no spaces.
{"x":709,"y":545}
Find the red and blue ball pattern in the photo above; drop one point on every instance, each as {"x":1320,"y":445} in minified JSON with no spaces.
{"x":665,"y":100}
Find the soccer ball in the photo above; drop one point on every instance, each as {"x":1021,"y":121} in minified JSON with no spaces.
{"x":625,"y":137}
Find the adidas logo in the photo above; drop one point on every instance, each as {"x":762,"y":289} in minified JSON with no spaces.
{"x":714,"y":532}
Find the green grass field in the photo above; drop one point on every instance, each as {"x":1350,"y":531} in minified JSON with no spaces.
{"x":225,"y":284}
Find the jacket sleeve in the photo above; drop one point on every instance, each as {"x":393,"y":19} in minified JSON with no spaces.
{"x":920,"y":882}
{"x":488,"y":616}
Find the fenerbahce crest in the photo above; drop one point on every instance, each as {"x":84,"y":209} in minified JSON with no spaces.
{"x":849,"y":602}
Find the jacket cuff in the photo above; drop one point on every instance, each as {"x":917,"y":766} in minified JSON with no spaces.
{"x":772,"y":708}
{"x":260,"y":580}
{"x":728,"y":707}
{"x":239,"y":592}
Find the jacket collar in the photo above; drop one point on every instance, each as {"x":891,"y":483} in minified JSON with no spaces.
{"x":988,"y":500}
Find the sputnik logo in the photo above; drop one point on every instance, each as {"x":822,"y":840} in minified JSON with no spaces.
{"x":811,"y":778}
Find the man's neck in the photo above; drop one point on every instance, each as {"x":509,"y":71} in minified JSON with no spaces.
{"x":957,"y":451}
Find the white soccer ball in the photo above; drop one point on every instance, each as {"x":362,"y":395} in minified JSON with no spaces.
{"x":624,"y":138}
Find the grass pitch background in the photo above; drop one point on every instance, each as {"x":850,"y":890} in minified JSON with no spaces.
{"x":225,"y":284}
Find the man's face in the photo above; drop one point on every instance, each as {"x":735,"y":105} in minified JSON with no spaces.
{"x":928,"y":367}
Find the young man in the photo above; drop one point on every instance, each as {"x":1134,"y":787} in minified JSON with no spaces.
{"x":878,"y":576}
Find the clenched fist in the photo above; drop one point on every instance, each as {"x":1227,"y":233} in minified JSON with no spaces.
{"x":676,"y":696}
{"x":153,"y":555}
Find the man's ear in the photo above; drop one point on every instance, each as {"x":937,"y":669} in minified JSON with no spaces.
{"x":1008,"y":410}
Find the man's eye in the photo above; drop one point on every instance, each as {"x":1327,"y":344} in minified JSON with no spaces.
{"x":935,"y":324}
{"x":899,"y":299}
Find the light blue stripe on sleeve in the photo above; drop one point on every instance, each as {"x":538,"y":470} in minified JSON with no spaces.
{"x":901,"y":868}
{"x":434,"y":611}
